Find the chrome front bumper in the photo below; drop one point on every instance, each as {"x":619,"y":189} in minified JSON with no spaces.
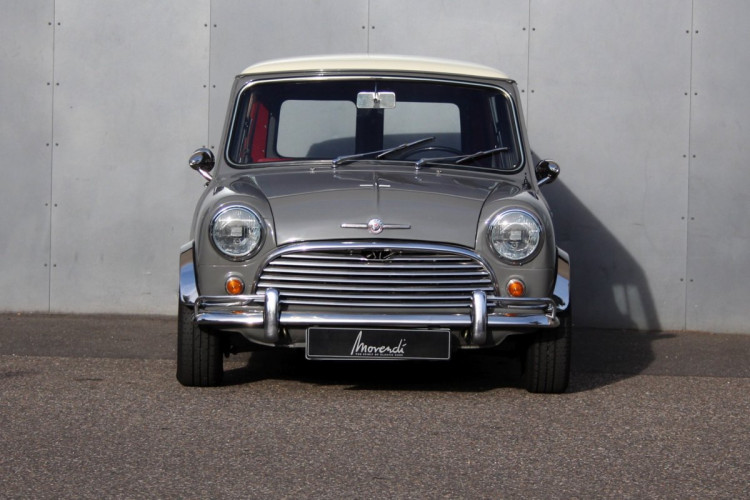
{"x":262,"y":312}
{"x":260,"y":318}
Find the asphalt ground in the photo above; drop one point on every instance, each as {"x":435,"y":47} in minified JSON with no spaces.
{"x":90,"y":408}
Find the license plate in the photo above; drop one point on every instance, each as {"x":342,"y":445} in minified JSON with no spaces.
{"x":353,"y":343}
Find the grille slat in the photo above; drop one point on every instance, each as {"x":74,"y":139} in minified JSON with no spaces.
{"x":359,"y":264}
{"x":391,"y":280}
{"x":282,"y":286}
{"x":363,"y":258}
{"x":447,"y":296}
{"x":275,"y":270}
{"x":371,"y":277}
{"x":396,"y":305}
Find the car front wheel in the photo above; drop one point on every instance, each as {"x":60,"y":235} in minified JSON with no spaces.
{"x":200,"y":361}
{"x":547,"y":363}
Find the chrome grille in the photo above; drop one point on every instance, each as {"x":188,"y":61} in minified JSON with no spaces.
{"x":408,"y":276}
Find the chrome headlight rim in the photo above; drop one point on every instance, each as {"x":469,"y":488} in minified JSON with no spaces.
{"x":239,"y":256}
{"x":530,"y":255}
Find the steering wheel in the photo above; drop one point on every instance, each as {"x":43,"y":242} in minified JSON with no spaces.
{"x":447,"y":149}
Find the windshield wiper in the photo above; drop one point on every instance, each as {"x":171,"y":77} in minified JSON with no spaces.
{"x":457,"y":160}
{"x":380,"y":154}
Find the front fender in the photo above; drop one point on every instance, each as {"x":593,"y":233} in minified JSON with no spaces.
{"x":188,"y":283}
{"x":561,"y":293}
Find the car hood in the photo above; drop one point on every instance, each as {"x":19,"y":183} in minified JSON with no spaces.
{"x":327,"y":204}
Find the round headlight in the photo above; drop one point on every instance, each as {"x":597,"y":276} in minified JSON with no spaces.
{"x":236,"y":232}
{"x":515,"y":235}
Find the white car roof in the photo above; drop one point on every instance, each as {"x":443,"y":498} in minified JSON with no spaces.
{"x":371,"y":62}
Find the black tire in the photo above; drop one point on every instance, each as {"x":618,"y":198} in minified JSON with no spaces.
{"x":547,"y":366}
{"x":200,"y":358}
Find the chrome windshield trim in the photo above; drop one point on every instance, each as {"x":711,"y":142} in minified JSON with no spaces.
{"x":438,"y":79}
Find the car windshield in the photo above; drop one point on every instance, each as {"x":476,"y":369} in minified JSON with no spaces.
{"x":347,"y":120}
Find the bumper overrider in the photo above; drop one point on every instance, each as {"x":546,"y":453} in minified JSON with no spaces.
{"x":260,"y":318}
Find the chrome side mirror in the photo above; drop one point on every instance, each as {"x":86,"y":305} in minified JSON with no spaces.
{"x":546,"y":172}
{"x":203,"y":161}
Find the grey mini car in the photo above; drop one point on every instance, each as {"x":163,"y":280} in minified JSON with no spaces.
{"x":373,"y":208}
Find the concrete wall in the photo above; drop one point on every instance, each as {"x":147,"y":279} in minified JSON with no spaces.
{"x":641,"y":102}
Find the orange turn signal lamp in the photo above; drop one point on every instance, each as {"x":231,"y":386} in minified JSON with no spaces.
{"x":516,"y":288}
{"x":234,"y":285}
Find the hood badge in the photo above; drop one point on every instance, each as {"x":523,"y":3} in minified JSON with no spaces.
{"x":375,"y":226}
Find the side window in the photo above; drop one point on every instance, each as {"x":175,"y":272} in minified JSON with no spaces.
{"x":316,"y":129}
{"x":410,"y":121}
